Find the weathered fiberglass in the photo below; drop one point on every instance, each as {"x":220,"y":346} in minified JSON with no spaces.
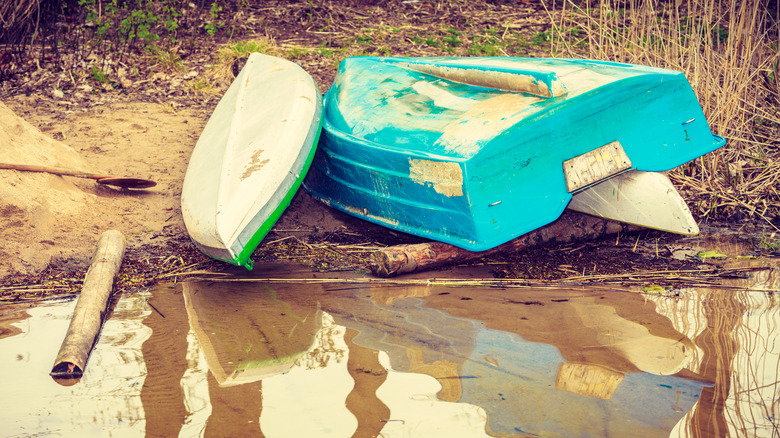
{"x":471,"y":151}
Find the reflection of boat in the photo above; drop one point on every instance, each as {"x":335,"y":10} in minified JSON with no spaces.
{"x":519,"y":383}
{"x":649,"y":352}
{"x":587,"y":379}
{"x":263,"y":339}
{"x":251,"y":157}
{"x":544,"y":367}
{"x":416,"y":338}
{"x":477,"y":151}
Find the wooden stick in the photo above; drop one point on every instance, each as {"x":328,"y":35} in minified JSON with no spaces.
{"x":91,"y":307}
{"x":123,"y":182}
{"x":571,"y":226}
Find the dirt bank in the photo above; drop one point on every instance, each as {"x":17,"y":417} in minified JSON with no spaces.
{"x":51,"y":223}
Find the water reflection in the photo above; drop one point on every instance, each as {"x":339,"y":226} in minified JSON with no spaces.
{"x":379,"y":360}
{"x":105,"y":399}
{"x":738,"y":334}
{"x":296,"y":359}
{"x":540,"y":365}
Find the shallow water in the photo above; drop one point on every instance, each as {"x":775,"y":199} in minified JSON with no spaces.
{"x":295,"y":359}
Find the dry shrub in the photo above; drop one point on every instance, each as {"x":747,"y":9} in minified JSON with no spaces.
{"x":17,"y":15}
{"x":728,"y":50}
{"x":19,"y":21}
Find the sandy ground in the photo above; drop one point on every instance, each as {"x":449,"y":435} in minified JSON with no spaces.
{"x":55,"y":219}
{"x":51,"y":219}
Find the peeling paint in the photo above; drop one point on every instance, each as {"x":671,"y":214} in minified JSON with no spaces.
{"x":445,"y":177}
{"x":409,"y":110}
{"x":507,"y":81}
{"x":255,"y":164}
{"x":484,"y":121}
{"x":443,"y":98}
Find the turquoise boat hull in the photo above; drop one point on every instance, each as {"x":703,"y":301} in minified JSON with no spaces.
{"x":474,"y":151}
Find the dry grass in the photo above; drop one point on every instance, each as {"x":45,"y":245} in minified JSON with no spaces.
{"x":728,"y":50}
{"x":229,"y":58}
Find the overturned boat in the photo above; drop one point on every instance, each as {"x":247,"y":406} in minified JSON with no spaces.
{"x":477,"y":151}
{"x":251,"y":158}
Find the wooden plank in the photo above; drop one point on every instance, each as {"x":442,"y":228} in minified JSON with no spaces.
{"x":594,"y":166}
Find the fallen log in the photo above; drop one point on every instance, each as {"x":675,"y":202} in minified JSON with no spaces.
{"x":91,"y":307}
{"x":571,"y":226}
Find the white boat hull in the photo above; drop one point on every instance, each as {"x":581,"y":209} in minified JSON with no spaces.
{"x":251,"y":158}
{"x":647,"y":199}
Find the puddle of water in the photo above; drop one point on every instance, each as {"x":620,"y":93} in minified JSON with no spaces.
{"x":271,"y":359}
{"x":106,"y":399}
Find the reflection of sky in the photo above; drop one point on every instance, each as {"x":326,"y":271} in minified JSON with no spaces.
{"x":415,"y":411}
{"x":107,"y":398}
{"x":195,"y":387}
{"x":315,"y":398}
{"x":309,"y":401}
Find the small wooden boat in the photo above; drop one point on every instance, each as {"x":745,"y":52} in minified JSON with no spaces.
{"x":477,"y":151}
{"x":251,"y":158}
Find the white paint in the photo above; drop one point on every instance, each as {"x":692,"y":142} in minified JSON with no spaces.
{"x":251,"y":144}
{"x":409,"y":111}
{"x":647,"y":199}
{"x":484,"y":121}
{"x":443,"y":98}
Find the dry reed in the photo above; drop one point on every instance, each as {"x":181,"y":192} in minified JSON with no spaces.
{"x":14,"y":13}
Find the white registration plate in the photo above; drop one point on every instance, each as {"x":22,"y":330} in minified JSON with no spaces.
{"x":594,"y":166}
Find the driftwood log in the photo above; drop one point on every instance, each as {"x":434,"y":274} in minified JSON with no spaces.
{"x":570,"y":227}
{"x":91,"y":307}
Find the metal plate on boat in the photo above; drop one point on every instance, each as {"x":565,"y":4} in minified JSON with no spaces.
{"x":594,"y":166}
